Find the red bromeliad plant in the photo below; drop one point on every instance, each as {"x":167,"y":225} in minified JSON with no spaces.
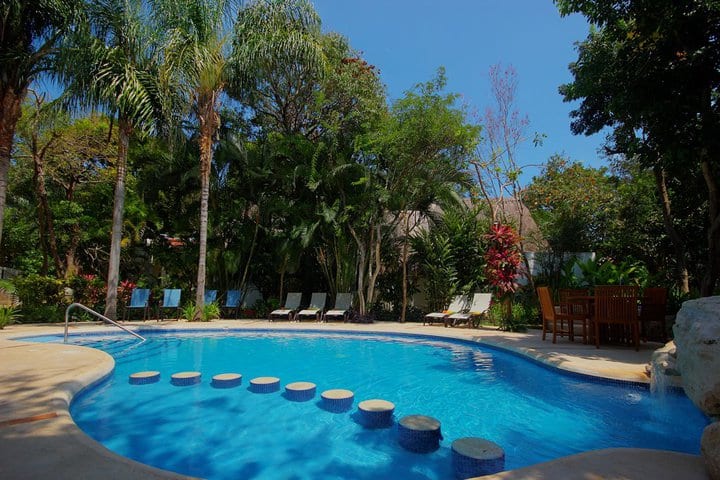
{"x":503,"y":259}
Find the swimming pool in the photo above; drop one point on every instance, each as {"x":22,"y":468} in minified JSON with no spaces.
{"x":534,"y":413}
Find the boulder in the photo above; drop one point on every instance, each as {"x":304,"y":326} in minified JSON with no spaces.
{"x":710,"y":448}
{"x":697,"y":338}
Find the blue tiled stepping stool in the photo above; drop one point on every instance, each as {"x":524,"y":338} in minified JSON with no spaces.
{"x":300,"y":391}
{"x":337,"y":400}
{"x":264,"y":384}
{"x":143,"y":378}
{"x":183,"y":379}
{"x":376,"y":413}
{"x":419,"y":433}
{"x":226,"y":380}
{"x":475,"y":457}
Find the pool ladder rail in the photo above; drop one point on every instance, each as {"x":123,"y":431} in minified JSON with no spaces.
{"x":96,"y":314}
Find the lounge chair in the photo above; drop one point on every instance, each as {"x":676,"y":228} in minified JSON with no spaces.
{"x":139,"y":299}
{"x":232,"y":303}
{"x":479,"y":307}
{"x":342,"y":307}
{"x":287,"y":311}
{"x":457,"y":305}
{"x":210,"y":296}
{"x":316,"y":307}
{"x":171,"y":301}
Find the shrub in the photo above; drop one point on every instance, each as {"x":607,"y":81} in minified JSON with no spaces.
{"x":8,"y":315}
{"x":211,"y":311}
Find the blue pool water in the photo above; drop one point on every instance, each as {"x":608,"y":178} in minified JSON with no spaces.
{"x":534,"y":413}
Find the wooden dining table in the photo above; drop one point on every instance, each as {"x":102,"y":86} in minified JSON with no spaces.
{"x":608,"y":333}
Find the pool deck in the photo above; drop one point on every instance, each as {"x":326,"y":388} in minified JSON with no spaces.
{"x":38,"y":438}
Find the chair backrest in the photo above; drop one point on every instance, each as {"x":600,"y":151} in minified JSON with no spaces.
{"x":567,"y":300}
{"x":171,"y":298}
{"x":139,"y":297}
{"x":210,"y":296}
{"x":565,"y":294}
{"x":655,"y":296}
{"x":343,"y":301}
{"x":293,"y":300}
{"x":232,"y":298}
{"x":458,"y":304}
{"x":318,"y":300}
{"x":546,"y":304}
{"x":616,"y":303}
{"x":480,"y":303}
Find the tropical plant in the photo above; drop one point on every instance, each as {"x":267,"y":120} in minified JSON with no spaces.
{"x":31,"y":32}
{"x":113,"y":64}
{"x":434,"y":252}
{"x":188,"y":312}
{"x":8,"y":316}
{"x":503,"y":260}
{"x":198,"y":56}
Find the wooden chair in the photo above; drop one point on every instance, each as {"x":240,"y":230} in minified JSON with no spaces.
{"x":567,"y":298}
{"x":652,"y":311}
{"x":617,"y":307}
{"x":561,"y":323}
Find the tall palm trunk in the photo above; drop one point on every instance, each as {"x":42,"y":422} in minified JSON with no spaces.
{"x":209,"y":123}
{"x":113,"y":279}
{"x":10,"y":111}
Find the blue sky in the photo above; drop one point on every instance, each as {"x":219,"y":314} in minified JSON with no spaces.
{"x":409,"y":39}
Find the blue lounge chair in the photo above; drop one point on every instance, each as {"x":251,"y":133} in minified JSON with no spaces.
{"x":232,"y":303}
{"x":171,"y":301}
{"x":139,"y":299}
{"x":210,"y":296}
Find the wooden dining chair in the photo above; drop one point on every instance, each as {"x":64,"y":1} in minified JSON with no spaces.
{"x":568,"y":300}
{"x":617,"y":307}
{"x":652,"y":311}
{"x":559,"y":322}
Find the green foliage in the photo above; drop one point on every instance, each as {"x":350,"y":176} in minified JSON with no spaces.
{"x":211,"y":311}
{"x":598,"y":272}
{"x":36,"y":290}
{"x":8,"y":316}
{"x":264,"y":307}
{"x":433,"y":252}
{"x":188,"y":312}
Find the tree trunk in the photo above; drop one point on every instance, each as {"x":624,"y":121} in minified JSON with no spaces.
{"x":10,"y":111}
{"x":713,"y":268}
{"x":404,"y":260}
{"x":113,"y":278}
{"x":209,"y":123}
{"x":682,"y":275}
{"x":375,"y":261}
{"x":48,"y":238}
{"x":362,"y":264}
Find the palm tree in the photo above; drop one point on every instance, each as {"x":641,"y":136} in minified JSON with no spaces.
{"x":29,"y":34}
{"x":205,"y":55}
{"x":114,"y":66}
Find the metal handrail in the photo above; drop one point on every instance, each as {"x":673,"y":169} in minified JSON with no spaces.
{"x":101,"y":317}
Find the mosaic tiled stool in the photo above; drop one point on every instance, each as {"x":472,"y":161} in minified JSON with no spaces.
{"x":264,"y":384}
{"x":184,"y":379}
{"x":376,"y":413}
{"x":144,"y":378}
{"x":475,"y":457}
{"x":226,"y":380}
{"x":418,"y":433}
{"x":300,"y":391}
{"x":337,"y":400}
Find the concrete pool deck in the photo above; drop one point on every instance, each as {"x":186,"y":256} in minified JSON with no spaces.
{"x":38,"y":438}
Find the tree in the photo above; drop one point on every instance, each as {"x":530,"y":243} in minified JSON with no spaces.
{"x":420,"y":148}
{"x":30,"y":32}
{"x":198,"y":54}
{"x":496,"y":166}
{"x":648,"y":70}
{"x":114,"y":66}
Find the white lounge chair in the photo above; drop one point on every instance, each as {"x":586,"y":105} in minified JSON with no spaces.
{"x":458,"y":304}
{"x":479,"y":307}
{"x":342,"y":307}
{"x":292,"y":303}
{"x":316,"y":307}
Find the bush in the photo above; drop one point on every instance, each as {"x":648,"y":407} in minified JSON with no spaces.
{"x":211,"y":311}
{"x":42,"y":314}
{"x":88,"y":290}
{"x":42,"y":298}
{"x":264,"y":307}
{"x":8,"y":315}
